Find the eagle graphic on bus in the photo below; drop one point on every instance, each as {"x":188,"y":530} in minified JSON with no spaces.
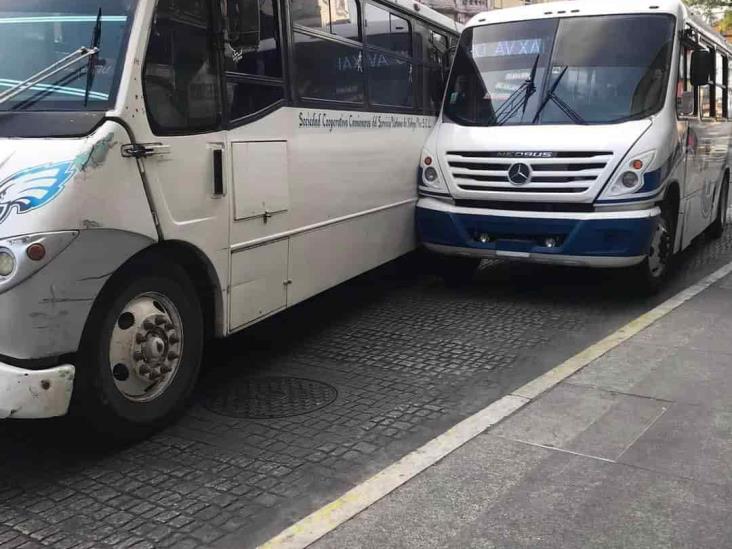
{"x":34,"y":187}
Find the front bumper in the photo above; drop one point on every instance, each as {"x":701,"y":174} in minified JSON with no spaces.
{"x":27,"y":394}
{"x":593,"y":239}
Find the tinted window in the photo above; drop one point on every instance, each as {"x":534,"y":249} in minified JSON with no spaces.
{"x":433,"y":88}
{"x":344,"y":19}
{"x":339,"y":17}
{"x":391,"y":80}
{"x":180,"y":79}
{"x":600,"y":70}
{"x":246,"y":98}
{"x":388,"y":31}
{"x":437,"y":48}
{"x":253,"y":52}
{"x":328,"y":70}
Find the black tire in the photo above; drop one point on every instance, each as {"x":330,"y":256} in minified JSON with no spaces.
{"x":651,"y":274}
{"x":716,"y":229}
{"x":97,"y":398}
{"x":457,"y":270}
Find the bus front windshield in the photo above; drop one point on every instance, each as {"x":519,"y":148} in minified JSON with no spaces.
{"x":580,"y":70}
{"x":36,"y":34}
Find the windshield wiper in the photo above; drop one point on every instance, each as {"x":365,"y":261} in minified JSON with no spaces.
{"x":92,"y":67}
{"x":69,"y":61}
{"x":559,"y":102}
{"x":512,"y":104}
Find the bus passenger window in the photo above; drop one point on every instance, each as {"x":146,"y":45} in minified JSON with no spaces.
{"x":180,"y":80}
{"x":339,"y":17}
{"x":388,"y":31}
{"x":328,"y":70}
{"x":391,"y":80}
{"x":252,"y":57}
{"x":256,"y":50}
{"x":720,"y":89}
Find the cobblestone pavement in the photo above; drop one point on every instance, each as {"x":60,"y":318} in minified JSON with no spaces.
{"x":381,"y":365}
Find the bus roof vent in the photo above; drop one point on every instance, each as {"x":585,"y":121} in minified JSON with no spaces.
{"x":575,"y":11}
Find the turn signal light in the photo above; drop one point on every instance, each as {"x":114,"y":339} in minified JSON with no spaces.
{"x":637,"y":164}
{"x":36,"y":252}
{"x":427,"y":160}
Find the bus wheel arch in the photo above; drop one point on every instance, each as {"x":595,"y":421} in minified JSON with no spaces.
{"x":672,"y":202}
{"x":716,"y":228}
{"x":204,"y":278}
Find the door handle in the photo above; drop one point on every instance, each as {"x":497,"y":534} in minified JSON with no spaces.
{"x":142,"y":150}
{"x":218,"y":172}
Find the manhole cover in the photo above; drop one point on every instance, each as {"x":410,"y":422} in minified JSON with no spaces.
{"x":270,"y":397}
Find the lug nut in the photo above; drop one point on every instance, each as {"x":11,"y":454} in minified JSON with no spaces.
{"x":138,"y":355}
{"x":140,"y":338}
{"x":166,"y":369}
{"x":144,"y":369}
{"x":148,"y":324}
{"x":169,"y":326}
{"x":160,"y":320}
{"x":174,"y":339}
{"x":172,"y":355}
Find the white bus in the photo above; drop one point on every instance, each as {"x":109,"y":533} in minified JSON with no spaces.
{"x":588,"y":133}
{"x":176,"y":170}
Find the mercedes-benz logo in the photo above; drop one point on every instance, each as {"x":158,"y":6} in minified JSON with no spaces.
{"x":519,"y":174}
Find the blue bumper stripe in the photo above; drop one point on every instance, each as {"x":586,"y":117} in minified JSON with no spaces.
{"x":590,"y":237}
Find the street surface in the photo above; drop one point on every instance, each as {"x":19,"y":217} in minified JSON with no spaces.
{"x":301,"y":408}
{"x":631,"y":451}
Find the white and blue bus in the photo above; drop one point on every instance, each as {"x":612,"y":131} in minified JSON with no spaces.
{"x":583,"y":133}
{"x":177,"y":170}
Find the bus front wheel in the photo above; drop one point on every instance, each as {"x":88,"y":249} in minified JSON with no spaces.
{"x":652,"y":272}
{"x":141,"y":351}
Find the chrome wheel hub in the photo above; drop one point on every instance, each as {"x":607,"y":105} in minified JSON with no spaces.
{"x":146,"y":347}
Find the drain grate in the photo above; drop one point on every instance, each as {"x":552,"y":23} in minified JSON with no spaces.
{"x":270,"y":397}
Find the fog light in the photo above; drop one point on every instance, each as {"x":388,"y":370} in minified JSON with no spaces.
{"x":550,"y":242}
{"x":484,"y":238}
{"x":630,"y":179}
{"x":36,"y":252}
{"x":430,"y":175}
{"x":7,"y":263}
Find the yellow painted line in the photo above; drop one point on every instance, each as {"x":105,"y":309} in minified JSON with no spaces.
{"x":328,"y":518}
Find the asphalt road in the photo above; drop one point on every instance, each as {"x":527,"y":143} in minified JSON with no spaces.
{"x":300,"y":408}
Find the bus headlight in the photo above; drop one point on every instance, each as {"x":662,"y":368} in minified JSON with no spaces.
{"x":7,"y":263}
{"x":430,"y":175}
{"x":22,"y":256}
{"x":630,"y":179}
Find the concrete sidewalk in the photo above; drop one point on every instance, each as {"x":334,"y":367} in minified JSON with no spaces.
{"x":635,"y":450}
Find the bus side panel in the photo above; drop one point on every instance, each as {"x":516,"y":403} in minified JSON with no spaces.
{"x":325,"y":257}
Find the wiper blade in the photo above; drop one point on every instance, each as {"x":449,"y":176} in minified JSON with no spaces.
{"x":69,"y":61}
{"x":512,"y":104}
{"x":91,"y":69}
{"x":550,"y":94}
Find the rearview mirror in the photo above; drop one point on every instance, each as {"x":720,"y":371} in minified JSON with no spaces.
{"x":685,"y":103}
{"x":702,"y":67}
{"x":243,"y":24}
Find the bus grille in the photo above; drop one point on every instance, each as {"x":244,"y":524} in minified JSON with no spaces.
{"x":556,"y":173}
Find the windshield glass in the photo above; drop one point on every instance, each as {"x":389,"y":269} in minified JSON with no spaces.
{"x":586,"y":70}
{"x":35,"y":34}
